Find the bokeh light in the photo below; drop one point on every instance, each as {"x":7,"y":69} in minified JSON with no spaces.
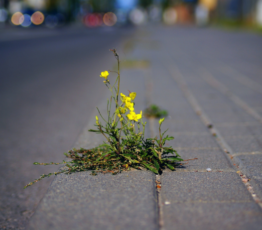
{"x":17,"y":18}
{"x":138,"y":16}
{"x":27,"y":20}
{"x":93,"y":20}
{"x":209,"y":4}
{"x":37,"y":18}
{"x":170,"y":16}
{"x":109,"y":19}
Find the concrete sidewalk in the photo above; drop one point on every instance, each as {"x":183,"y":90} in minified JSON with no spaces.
{"x":210,"y":83}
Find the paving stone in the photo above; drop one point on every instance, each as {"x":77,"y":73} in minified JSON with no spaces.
{"x":81,"y":201}
{"x":185,"y":114}
{"x":250,"y":97}
{"x":174,"y":125}
{"x":240,"y":144}
{"x":256,"y":183}
{"x":193,"y":141}
{"x":251,"y":165}
{"x":235,"y":130}
{"x":214,"y":159}
{"x":179,"y":187}
{"x":212,"y":216}
{"x":226,"y":116}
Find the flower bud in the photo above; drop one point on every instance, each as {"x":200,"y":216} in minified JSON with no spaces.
{"x":161,"y":120}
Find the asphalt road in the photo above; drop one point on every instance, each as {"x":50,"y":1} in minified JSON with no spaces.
{"x":49,"y":87}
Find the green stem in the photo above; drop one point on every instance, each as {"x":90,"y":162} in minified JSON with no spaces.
{"x":118,"y":85}
{"x":161,"y":144}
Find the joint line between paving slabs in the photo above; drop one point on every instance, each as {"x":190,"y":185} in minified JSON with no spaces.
{"x":178,"y":77}
{"x":152,"y":130}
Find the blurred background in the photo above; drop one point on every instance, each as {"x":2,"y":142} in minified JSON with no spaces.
{"x":95,"y":13}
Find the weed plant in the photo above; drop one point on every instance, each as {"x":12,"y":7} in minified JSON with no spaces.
{"x":153,"y":111}
{"x":126,"y":146}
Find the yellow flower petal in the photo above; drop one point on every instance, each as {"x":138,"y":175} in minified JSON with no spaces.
{"x":130,"y":106}
{"x":123,"y":97}
{"x":139,"y":116}
{"x":104,"y":74}
{"x":132,"y":95}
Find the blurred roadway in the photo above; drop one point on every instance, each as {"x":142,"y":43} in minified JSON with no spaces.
{"x":49,"y":87}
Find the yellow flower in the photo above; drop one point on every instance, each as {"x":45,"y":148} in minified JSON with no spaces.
{"x":97,"y":120}
{"x":140,"y":115}
{"x":122,"y":110}
{"x":124,"y":98}
{"x":119,"y":115}
{"x":130,"y":106}
{"x":133,"y":116}
{"x":161,"y":120}
{"x":132,"y":95}
{"x":104,"y":74}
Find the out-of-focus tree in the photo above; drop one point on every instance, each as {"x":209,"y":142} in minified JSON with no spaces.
{"x":170,"y":3}
{"x":102,"y":5}
{"x":51,"y":5}
{"x":145,"y":3}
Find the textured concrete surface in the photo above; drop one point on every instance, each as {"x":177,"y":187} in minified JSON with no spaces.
{"x":207,"y":200}
{"x":81,"y":201}
{"x":206,"y":158}
{"x":252,"y":165}
{"x":213,"y":216}
{"x":179,"y":187}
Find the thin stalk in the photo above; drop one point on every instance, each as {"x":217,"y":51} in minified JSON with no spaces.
{"x":161,"y":144}
{"x":103,"y":133}
{"x":118,"y":72}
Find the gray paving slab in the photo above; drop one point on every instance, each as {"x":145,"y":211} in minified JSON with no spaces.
{"x":207,"y":200}
{"x":216,"y":105}
{"x":193,"y":141}
{"x":256,"y":183}
{"x":177,"y":126}
{"x":212,"y":216}
{"x":180,"y":187}
{"x":251,"y":165}
{"x":232,"y":129}
{"x":81,"y":201}
{"x":243,"y":143}
{"x":206,"y":158}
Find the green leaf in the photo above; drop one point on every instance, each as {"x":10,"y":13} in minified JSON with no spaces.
{"x":154,"y":152}
{"x":170,"y":167}
{"x":150,"y":168}
{"x":164,"y":133}
{"x":95,"y":131}
{"x":169,"y":150}
{"x":173,"y":159}
{"x":156,"y":165}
